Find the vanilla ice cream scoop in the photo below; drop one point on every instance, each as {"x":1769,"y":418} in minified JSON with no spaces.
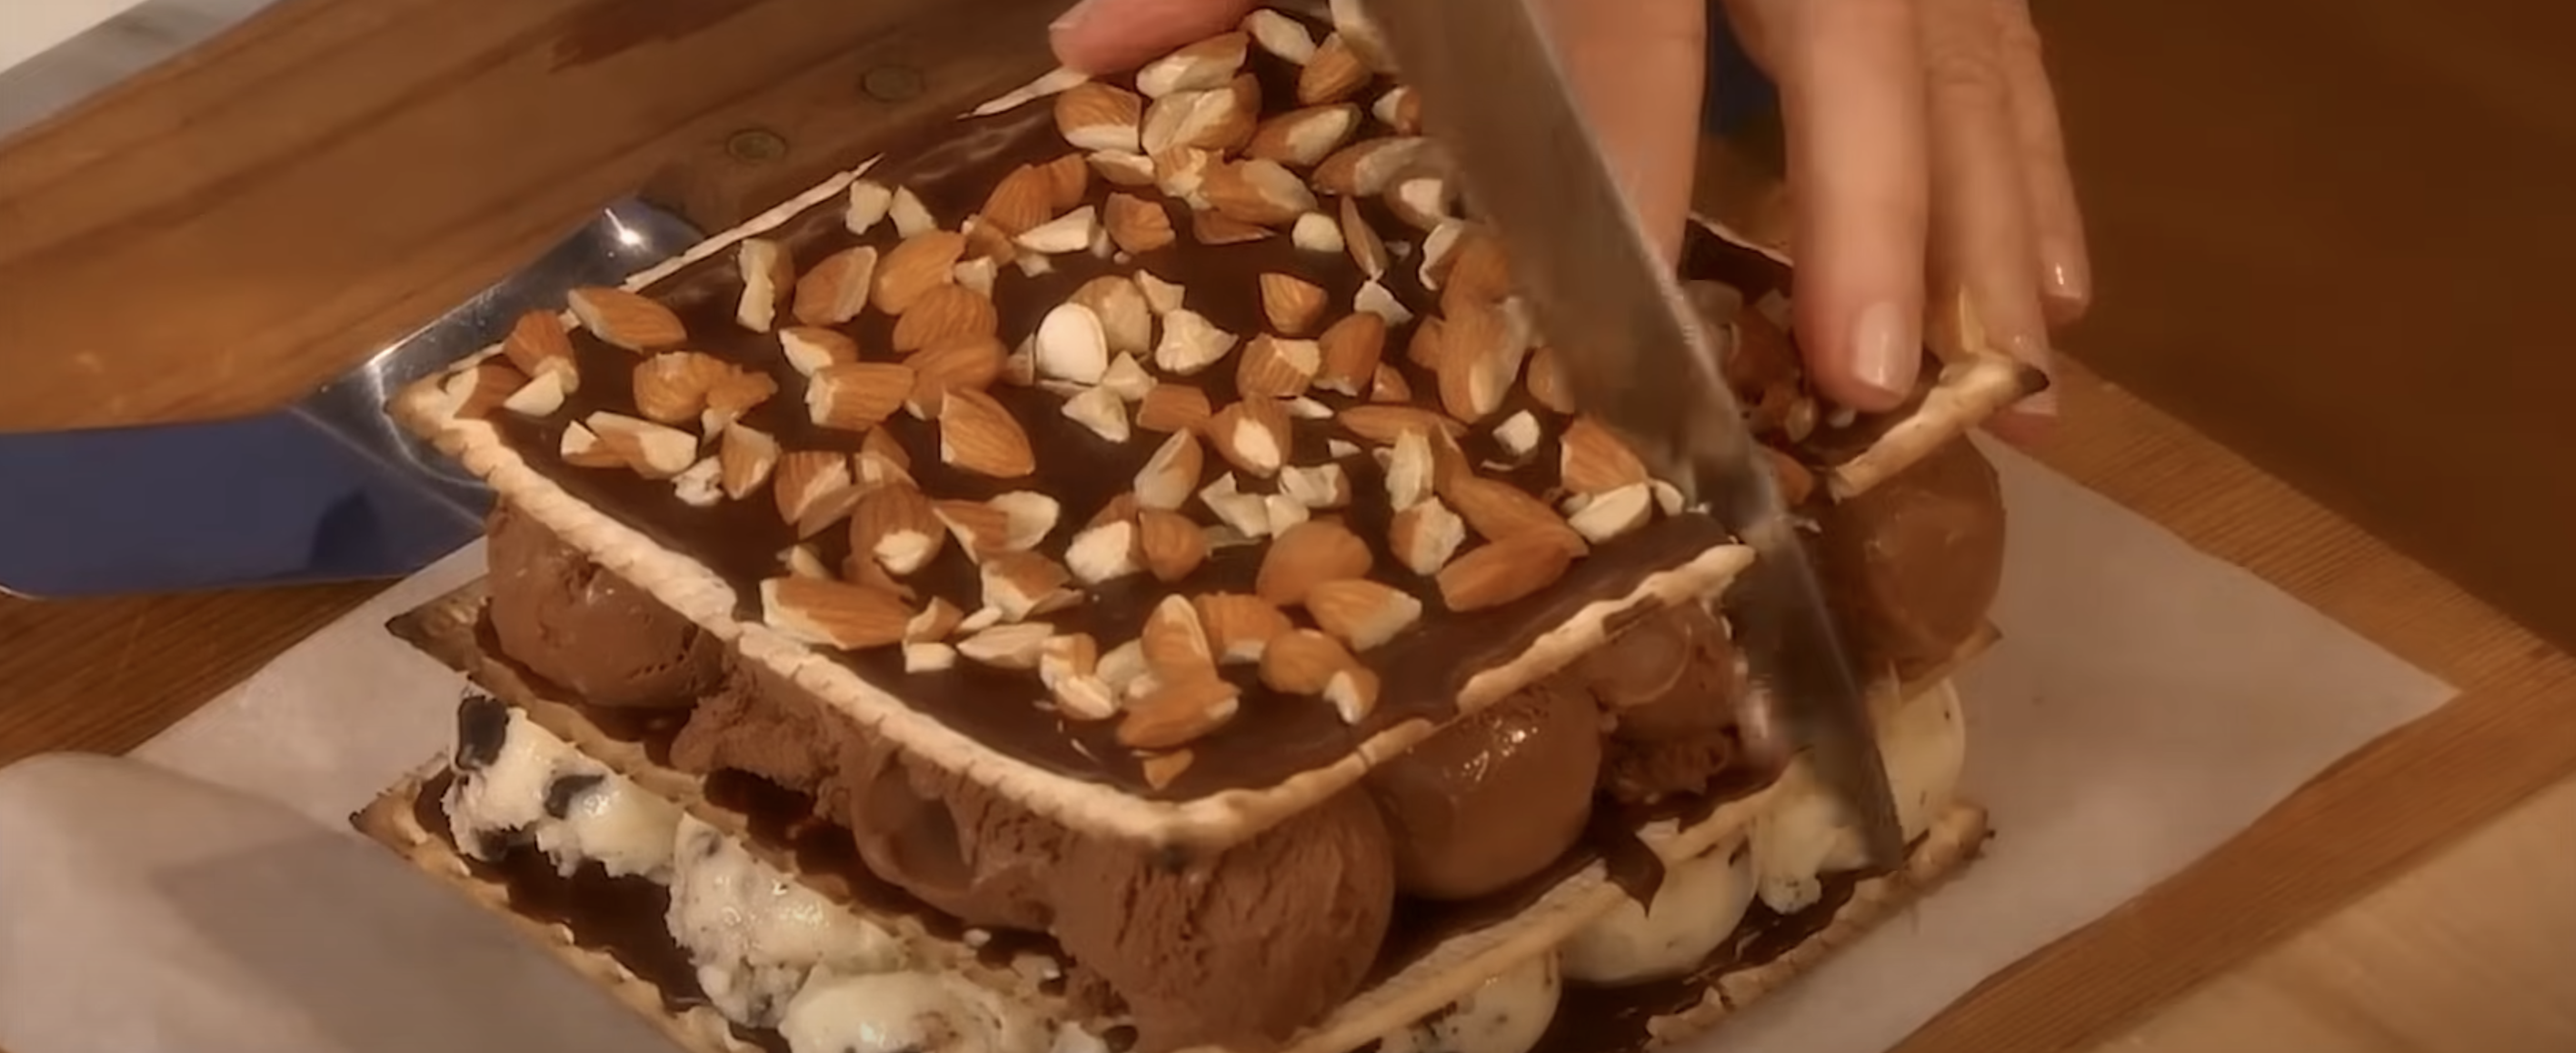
{"x":905,"y":1012}
{"x":1694,"y":911}
{"x":1506,"y":1014}
{"x":1806,"y":834}
{"x":755,"y":933}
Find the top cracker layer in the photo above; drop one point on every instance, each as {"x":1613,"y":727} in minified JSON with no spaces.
{"x":1161,"y":453}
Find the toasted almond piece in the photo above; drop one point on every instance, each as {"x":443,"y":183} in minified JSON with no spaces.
{"x":812,"y":350}
{"x":1503,"y":571}
{"x":1477,"y":268}
{"x":896,"y":526}
{"x":1027,"y":518}
{"x":538,"y":346}
{"x":921,"y":263}
{"x":1103,"y":553}
{"x":1190,"y":343}
{"x":1213,"y":228}
{"x":1240,"y":626}
{"x":1303,"y":661}
{"x":541,"y":396}
{"x":1020,"y":584}
{"x":671,"y":387}
{"x":1613,"y":514}
{"x":1375,"y":298}
{"x":1317,"y":232}
{"x":948,"y":312}
{"x":1014,"y":646}
{"x":1178,"y":712}
{"x":1361,"y":613}
{"x":983,"y":618}
{"x":1170,"y":545}
{"x":1479,"y":360}
{"x":836,"y":289}
{"x":1212,"y":119}
{"x":928,"y":657}
{"x":1071,"y":232}
{"x":1384,"y":424}
{"x":1361,"y":240}
{"x":1423,"y":199}
{"x":1173,"y":408}
{"x":937,"y":619}
{"x":1209,"y":63}
{"x":1096,"y":116}
{"x":1312,"y":551}
{"x":1593,"y":460}
{"x":1429,"y":345}
{"x":1137,"y":225}
{"x":1349,"y":351}
{"x":981,"y":528}
{"x":1280,"y":35}
{"x":1547,"y":381}
{"x":1068,"y":655}
{"x":1247,"y":515}
{"x":1519,"y":434}
{"x":735,"y":392}
{"x":831,"y":614}
{"x":580,"y":447}
{"x":1162,"y":296}
{"x":1426,"y":535}
{"x":477,"y":390}
{"x":1021,"y":200}
{"x":1275,"y":368}
{"x":1127,"y":378}
{"x":803,"y":562}
{"x":1291,"y":303}
{"x":1129,"y":168}
{"x":912,"y":219}
{"x":1068,"y":179}
{"x":976,"y":434}
{"x":768,"y":275}
{"x":1070,"y":345}
{"x":964,"y":363}
{"x":1795,"y":481}
{"x":857,"y":396}
{"x":807,"y":483}
{"x":988,"y":242}
{"x":1389,"y":385}
{"x":1364,"y":168}
{"x":1176,"y":642}
{"x":1085,"y":698}
{"x":1258,"y":192}
{"x":1353,"y":693}
{"x":746,"y":458}
{"x":1333,"y":74}
{"x":1401,"y":109}
{"x":1172,"y":473}
{"x":1319,"y":486}
{"x":868,"y":203}
{"x":652,"y":450}
{"x":1180,"y":172}
{"x":1020,"y":367}
{"x":1252,"y":434}
{"x":1303,"y":138}
{"x":1100,"y":411}
{"x":1499,"y":511}
{"x":624,"y":319}
{"x":1123,"y":666}
{"x":1163,"y":768}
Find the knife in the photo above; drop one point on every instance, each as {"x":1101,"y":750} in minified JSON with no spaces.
{"x":1495,"y":95}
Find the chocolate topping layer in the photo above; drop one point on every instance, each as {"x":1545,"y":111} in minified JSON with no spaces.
{"x":1272,"y":735}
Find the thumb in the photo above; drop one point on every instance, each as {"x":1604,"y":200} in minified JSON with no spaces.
{"x":1105,"y":36}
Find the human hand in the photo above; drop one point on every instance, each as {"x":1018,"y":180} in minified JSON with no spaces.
{"x":1923,"y":155}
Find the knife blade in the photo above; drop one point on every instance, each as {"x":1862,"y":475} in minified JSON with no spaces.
{"x":1495,"y":95}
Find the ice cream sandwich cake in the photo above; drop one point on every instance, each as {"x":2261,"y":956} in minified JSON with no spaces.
{"x":1123,"y":571}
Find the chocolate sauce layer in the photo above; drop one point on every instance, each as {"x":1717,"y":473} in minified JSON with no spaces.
{"x":1273,"y":736}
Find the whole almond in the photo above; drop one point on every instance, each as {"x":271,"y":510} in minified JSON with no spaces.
{"x":1314,"y":551}
{"x":1097,"y":116}
{"x":1350,"y":349}
{"x":1291,"y":303}
{"x":1503,"y":571}
{"x":948,"y":312}
{"x":976,"y":434}
{"x":831,"y":614}
{"x":964,"y":363}
{"x":1172,"y":546}
{"x":1137,"y":225}
{"x":836,"y":289}
{"x":624,"y":319}
{"x":1023,"y":199}
{"x":1479,"y":361}
{"x":1499,"y":511}
{"x":923,"y":262}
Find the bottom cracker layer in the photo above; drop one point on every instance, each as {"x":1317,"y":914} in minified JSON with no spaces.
{"x":610,"y":913}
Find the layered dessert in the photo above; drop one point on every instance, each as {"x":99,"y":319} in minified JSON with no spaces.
{"x":1125,"y":571}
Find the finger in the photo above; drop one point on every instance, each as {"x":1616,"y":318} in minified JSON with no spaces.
{"x":1105,"y":36}
{"x":2065,"y":267}
{"x":1983,"y":272}
{"x":1851,"y":84}
{"x":1638,"y":69}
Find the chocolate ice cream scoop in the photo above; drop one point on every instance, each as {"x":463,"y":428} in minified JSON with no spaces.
{"x":1239,"y":950}
{"x":1917,"y":559}
{"x":953,"y":843}
{"x":572,"y":622}
{"x":1494,"y":798}
{"x":753,"y":722}
{"x":1668,"y":685}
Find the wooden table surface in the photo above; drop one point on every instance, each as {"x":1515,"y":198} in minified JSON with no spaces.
{"x":216,"y":235}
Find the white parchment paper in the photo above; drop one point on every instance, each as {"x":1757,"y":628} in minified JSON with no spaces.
{"x":2147,"y":703}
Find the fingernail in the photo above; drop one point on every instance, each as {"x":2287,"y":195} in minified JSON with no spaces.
{"x":2067,"y":286}
{"x":1071,"y":18}
{"x":1887,"y":350}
